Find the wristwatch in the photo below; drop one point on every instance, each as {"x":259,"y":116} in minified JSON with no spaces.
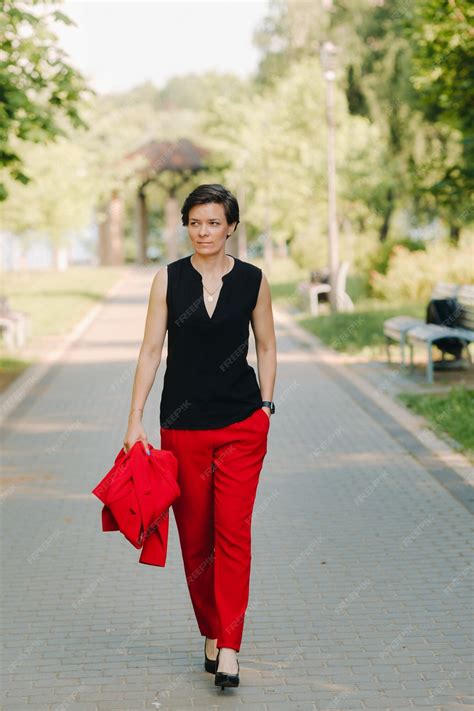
{"x":270,"y":404}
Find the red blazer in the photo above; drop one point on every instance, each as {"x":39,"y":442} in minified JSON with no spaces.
{"x":137,"y":493}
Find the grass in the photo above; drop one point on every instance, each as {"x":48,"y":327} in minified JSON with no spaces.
{"x":362,"y":330}
{"x":55,"y":302}
{"x":451,"y":412}
{"x":359,"y":332}
{"x":11,"y":368}
{"x":283,"y":279}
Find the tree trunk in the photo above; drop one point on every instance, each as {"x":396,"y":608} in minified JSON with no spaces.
{"x":172,"y":227}
{"x":111,"y":251}
{"x":116,"y":230}
{"x":387,"y":216}
{"x":61,"y":258}
{"x":142,"y":227}
{"x":454,"y":234}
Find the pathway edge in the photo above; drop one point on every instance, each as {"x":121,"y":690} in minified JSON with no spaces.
{"x":19,"y":389}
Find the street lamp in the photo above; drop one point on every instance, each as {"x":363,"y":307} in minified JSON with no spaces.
{"x":328,"y":61}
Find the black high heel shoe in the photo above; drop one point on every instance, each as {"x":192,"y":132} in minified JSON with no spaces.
{"x":223,"y":679}
{"x":210,"y":665}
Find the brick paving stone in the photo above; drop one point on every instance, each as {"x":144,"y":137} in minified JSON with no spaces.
{"x":362,"y":569}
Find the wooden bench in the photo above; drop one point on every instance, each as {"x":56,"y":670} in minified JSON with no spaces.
{"x":397,"y":327}
{"x":15,"y":326}
{"x":312,"y":291}
{"x":429,"y":333}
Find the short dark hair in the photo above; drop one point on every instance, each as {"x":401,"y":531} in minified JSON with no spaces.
{"x":212,"y":193}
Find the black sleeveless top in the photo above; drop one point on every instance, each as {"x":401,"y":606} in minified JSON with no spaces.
{"x":208,"y":382}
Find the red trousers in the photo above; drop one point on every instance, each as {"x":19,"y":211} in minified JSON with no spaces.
{"x":218,"y":474}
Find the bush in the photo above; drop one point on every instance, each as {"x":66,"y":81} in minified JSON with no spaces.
{"x":412,"y":275}
{"x":380,"y":259}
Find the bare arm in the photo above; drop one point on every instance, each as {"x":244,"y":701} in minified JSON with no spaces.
{"x":265,"y":340}
{"x":149,"y":357}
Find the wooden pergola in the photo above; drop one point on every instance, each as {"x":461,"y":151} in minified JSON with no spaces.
{"x":181,"y":160}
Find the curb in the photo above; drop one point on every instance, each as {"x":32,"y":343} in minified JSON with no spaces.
{"x":451,"y":469}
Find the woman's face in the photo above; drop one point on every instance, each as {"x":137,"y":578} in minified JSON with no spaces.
{"x":208,"y":228}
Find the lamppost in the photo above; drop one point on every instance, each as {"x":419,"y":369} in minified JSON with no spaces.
{"x":328,"y":62}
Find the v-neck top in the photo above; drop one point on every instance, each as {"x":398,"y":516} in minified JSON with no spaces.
{"x":208,"y":382}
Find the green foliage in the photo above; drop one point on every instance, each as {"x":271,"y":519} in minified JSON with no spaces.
{"x":38,"y":88}
{"x":284,"y":36}
{"x":379,"y":259}
{"x":399,"y":164}
{"x":442,"y":38}
{"x":60,"y":195}
{"x":412,"y":275}
{"x":275,"y":149}
{"x":443,"y":56}
{"x":271,"y":152}
{"x":415,"y":162}
{"x":196,"y":92}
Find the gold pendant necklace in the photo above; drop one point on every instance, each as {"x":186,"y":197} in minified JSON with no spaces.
{"x":211,"y":293}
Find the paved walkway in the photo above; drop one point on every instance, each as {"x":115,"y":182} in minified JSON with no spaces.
{"x":361,"y":590}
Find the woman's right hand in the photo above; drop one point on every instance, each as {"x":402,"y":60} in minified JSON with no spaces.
{"x":134,"y":433}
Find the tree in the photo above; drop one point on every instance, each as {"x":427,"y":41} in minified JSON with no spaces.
{"x":408,"y":71}
{"x":442,"y":37}
{"x":39,"y":89}
{"x":60,"y":195}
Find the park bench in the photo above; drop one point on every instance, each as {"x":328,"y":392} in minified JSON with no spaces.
{"x":313,"y":290}
{"x":15,"y":326}
{"x":411,"y":331}
{"x":397,"y":327}
{"x":430,"y":333}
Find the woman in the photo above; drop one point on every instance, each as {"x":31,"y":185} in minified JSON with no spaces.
{"x":213,"y":414}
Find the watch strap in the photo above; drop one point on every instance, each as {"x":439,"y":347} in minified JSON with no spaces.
{"x":270,"y":404}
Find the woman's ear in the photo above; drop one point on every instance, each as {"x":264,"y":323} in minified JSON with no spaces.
{"x":232,"y":228}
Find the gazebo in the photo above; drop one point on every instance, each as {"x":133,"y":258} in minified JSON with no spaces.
{"x":182,"y":160}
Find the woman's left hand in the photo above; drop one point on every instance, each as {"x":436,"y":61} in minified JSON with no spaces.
{"x":266,"y":409}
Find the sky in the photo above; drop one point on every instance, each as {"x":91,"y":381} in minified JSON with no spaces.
{"x":118,"y":45}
